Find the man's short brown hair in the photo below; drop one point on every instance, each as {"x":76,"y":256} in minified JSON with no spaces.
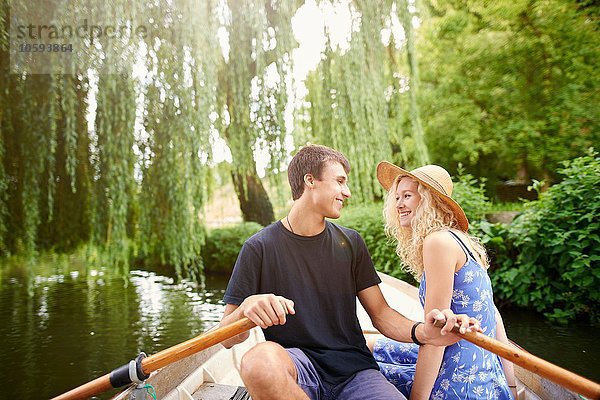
{"x":311,"y":159}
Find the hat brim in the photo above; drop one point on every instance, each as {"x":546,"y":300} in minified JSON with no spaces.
{"x":387,"y":173}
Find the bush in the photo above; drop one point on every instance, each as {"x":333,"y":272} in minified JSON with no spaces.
{"x":557,"y":270}
{"x":368,"y":221}
{"x":470,"y":194}
{"x":223,"y":246}
{"x":495,"y":239}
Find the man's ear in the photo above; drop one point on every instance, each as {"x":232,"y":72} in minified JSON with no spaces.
{"x":309,"y":180}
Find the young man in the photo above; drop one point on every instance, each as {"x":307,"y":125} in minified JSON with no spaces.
{"x":298,"y":279}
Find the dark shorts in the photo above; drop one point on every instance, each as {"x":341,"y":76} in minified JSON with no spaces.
{"x":368,"y":384}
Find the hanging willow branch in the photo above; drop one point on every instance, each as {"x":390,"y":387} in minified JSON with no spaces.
{"x":348,"y":109}
{"x":68,"y":105}
{"x":4,"y":124}
{"x":422,"y":153}
{"x":36,"y":148}
{"x":275,"y":87}
{"x":66,"y":219}
{"x":114,"y":127}
{"x":179,"y":100}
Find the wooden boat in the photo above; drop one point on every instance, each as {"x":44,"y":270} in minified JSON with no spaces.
{"x":213,"y":374}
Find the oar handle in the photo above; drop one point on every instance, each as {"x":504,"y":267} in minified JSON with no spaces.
{"x":163,"y":358}
{"x":539,"y":366}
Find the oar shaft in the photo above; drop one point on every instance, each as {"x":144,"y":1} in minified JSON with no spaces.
{"x":194,"y":345}
{"x":556,"y":374}
{"x":85,"y":391}
{"x":163,"y":358}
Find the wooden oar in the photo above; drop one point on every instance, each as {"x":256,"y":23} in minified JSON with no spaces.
{"x":163,"y":358}
{"x":556,"y":374}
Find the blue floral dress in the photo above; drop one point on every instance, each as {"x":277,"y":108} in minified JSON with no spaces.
{"x":467,"y":371}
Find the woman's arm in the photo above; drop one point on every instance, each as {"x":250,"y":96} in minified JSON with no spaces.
{"x":428,"y":367}
{"x":506,"y":365}
{"x":440,"y":258}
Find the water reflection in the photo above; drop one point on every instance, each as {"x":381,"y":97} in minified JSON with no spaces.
{"x":82,"y":322}
{"x":150,"y":292}
{"x":573,"y":346}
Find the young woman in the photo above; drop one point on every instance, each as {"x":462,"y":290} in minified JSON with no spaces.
{"x":430,"y":229}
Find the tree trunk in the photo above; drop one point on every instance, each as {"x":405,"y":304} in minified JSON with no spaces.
{"x":254,"y":201}
{"x":523,"y":171}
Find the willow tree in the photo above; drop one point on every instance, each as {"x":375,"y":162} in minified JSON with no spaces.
{"x":45,"y":158}
{"x":260,"y":36}
{"x":348,"y":109}
{"x":137,"y":180}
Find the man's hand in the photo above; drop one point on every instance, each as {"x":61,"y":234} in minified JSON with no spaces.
{"x":430,"y":334}
{"x":267,"y":309}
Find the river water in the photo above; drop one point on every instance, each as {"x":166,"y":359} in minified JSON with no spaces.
{"x":65,"y":322}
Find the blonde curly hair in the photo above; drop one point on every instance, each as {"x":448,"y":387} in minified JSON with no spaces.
{"x":431,"y":215}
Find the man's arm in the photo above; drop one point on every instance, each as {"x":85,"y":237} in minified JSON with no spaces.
{"x":385,"y":319}
{"x":396,"y":326}
{"x":263,"y":309}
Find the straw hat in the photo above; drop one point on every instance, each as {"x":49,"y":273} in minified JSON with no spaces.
{"x":434,"y":177}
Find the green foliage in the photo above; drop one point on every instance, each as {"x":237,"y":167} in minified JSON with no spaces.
{"x":509,"y":88}
{"x":557,"y":239}
{"x":368,"y":221}
{"x":115,"y":163}
{"x":506,"y":206}
{"x":223,"y":246}
{"x":422,"y":153}
{"x":495,"y":238}
{"x":174,"y":179}
{"x":470,"y":194}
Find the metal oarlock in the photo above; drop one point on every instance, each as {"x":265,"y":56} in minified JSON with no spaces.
{"x":131,"y":372}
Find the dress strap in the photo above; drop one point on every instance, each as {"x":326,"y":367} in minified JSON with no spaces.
{"x":464,"y":247}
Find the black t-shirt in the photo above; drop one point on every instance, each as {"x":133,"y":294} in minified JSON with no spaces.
{"x":322,"y":274}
